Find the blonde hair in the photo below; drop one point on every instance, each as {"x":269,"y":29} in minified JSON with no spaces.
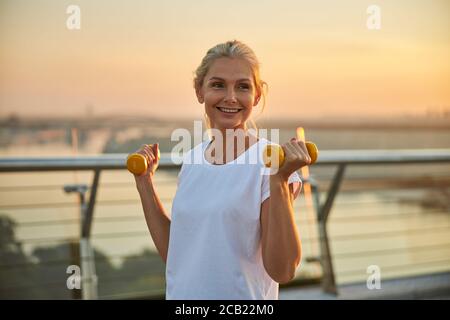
{"x":232,"y":49}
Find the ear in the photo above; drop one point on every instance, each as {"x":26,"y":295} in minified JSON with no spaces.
{"x":199,"y":93}
{"x":257,"y":97}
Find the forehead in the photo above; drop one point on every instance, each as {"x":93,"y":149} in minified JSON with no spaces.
{"x":230,"y":69}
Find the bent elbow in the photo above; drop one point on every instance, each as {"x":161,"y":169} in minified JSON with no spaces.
{"x":282,"y":272}
{"x":284,"y":278}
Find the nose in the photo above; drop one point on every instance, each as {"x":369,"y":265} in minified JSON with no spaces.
{"x":230,"y":97}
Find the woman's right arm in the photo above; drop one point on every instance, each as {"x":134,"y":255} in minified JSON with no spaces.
{"x":158,"y":222}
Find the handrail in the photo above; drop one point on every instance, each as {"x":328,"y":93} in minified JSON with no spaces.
{"x":118,"y":161}
{"x":67,"y":163}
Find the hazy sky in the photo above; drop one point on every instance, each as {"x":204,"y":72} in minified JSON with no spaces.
{"x":138,"y":57}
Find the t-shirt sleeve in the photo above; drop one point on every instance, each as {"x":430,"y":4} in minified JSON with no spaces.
{"x":294,"y":179}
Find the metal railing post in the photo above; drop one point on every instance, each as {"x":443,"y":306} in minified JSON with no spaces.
{"x":88,"y":274}
{"x":323,"y":211}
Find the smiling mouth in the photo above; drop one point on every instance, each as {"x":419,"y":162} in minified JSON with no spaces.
{"x":229,"y":110}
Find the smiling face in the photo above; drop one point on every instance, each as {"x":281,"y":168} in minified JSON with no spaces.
{"x":229,"y":93}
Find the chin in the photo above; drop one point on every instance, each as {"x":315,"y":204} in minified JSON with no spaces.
{"x":229,"y":125}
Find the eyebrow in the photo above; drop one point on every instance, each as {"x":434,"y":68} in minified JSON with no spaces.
{"x":217,"y":78}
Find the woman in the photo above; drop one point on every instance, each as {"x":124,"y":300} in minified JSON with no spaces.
{"x":232,"y":232}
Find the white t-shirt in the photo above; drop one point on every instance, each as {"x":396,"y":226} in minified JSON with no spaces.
{"x":215,"y":235}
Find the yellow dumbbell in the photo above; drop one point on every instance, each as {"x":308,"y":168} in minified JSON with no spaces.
{"x":137,"y":163}
{"x":273,"y":149}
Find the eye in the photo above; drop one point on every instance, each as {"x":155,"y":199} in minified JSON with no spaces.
{"x":217,"y":85}
{"x":244,"y":86}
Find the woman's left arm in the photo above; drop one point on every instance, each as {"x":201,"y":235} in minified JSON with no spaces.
{"x":281,"y":245}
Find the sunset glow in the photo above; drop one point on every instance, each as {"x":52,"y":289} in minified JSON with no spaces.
{"x":138,"y":57}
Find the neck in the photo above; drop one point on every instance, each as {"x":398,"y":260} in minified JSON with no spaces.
{"x":228,"y":144}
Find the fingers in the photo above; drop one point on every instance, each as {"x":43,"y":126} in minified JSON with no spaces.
{"x":299,"y":150}
{"x":147,"y":152}
{"x":302,"y":146}
{"x":143,"y":150}
{"x":291,"y":151}
{"x":155,"y":149}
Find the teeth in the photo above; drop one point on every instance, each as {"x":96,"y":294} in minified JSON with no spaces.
{"x":229,"y":110}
